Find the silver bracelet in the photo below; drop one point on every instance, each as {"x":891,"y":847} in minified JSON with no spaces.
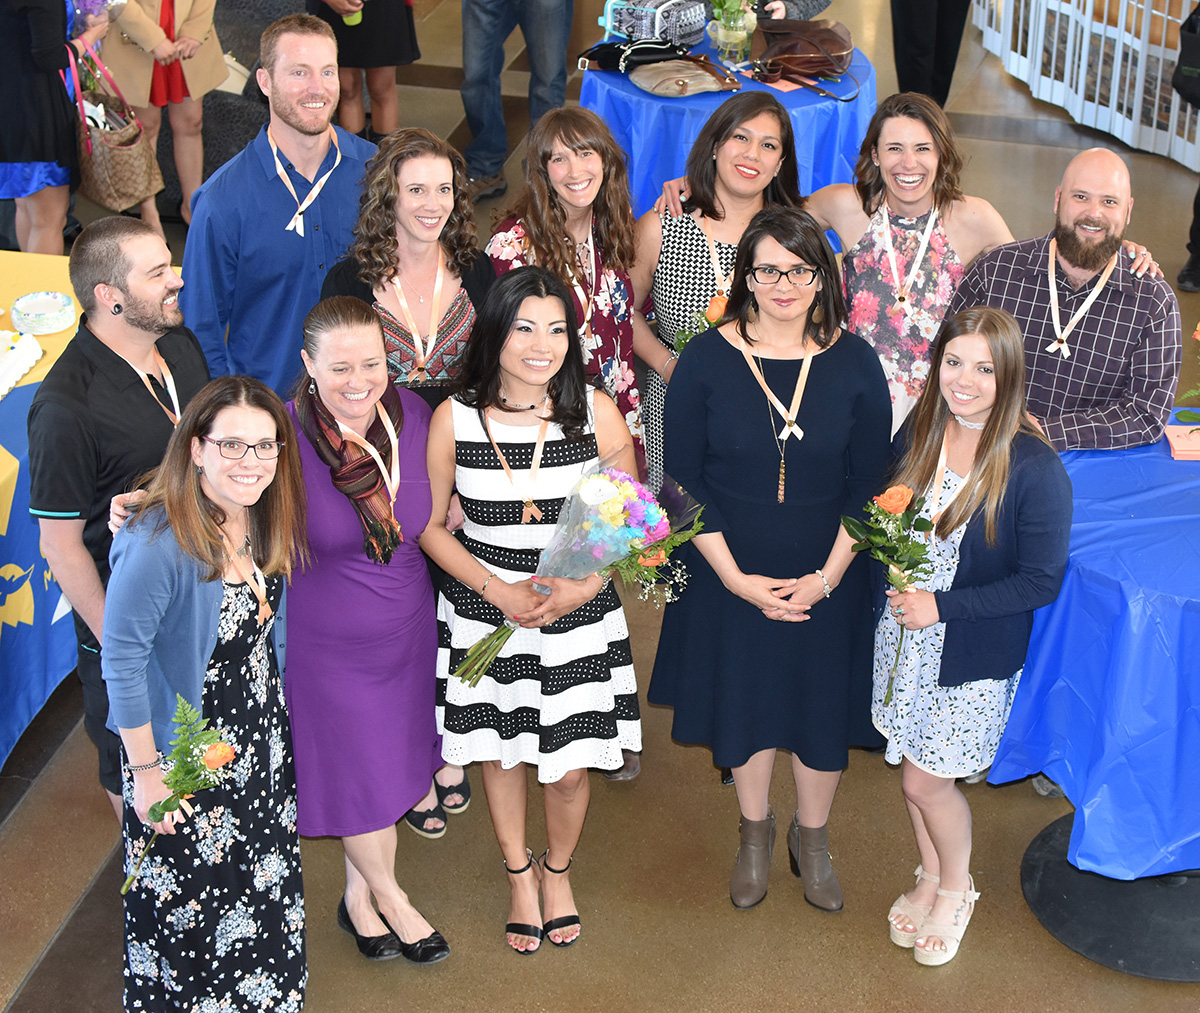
{"x":827,"y":589}
{"x":135,"y":768}
{"x":485,"y":584}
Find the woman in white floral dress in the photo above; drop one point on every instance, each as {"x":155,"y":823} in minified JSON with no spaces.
{"x":948,"y":656}
{"x":195,"y":608}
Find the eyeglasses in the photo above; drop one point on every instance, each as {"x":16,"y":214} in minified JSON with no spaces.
{"x":235,"y":450}
{"x":772,"y":275}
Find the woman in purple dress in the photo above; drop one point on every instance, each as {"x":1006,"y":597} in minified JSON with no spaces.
{"x":360,"y":680}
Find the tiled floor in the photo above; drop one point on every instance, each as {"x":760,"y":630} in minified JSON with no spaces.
{"x":652,"y":870}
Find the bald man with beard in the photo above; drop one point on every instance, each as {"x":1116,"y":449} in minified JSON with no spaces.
{"x":1102,"y":347}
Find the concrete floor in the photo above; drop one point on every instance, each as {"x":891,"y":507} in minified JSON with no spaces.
{"x":651,"y":873}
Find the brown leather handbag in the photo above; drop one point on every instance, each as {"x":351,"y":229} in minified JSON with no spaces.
{"x":801,"y":51}
{"x":689,"y":76}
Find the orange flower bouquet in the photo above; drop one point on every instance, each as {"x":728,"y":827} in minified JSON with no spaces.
{"x":199,"y":759}
{"x":890,"y":535}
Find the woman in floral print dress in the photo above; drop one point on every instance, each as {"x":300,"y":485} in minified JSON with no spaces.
{"x":195,"y":608}
{"x":573,"y":217}
{"x":948,"y":655}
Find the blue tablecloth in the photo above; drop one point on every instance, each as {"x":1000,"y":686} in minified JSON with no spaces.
{"x":657,"y":133}
{"x":37,"y":634}
{"x":1109,"y":702}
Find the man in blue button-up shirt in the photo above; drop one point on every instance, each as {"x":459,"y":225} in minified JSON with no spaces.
{"x":271,"y":222}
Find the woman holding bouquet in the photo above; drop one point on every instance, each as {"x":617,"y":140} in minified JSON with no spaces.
{"x":777,"y":421}
{"x":561,"y":696}
{"x":1000,"y":503}
{"x":195,"y":607}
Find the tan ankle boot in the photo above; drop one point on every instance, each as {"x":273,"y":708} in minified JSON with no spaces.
{"x":748,"y":884}
{"x":808,"y":848}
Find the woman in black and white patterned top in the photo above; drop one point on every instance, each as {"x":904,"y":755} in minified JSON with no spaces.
{"x":513,"y":442}
{"x":743,"y":160}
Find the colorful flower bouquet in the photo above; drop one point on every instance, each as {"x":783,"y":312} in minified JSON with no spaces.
{"x":611,"y":523}
{"x":199,"y":759}
{"x":889,"y":533}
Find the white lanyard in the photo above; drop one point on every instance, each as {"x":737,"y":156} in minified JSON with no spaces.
{"x":1059,"y":344}
{"x":168,"y":383}
{"x":421,"y":351}
{"x":297,"y":222}
{"x":904,"y":288}
{"x":587,"y":301}
{"x":391,"y":476}
{"x":723,"y":281}
{"x":935,"y":492}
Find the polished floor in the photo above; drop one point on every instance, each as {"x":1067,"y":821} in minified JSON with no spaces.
{"x":651,"y":872}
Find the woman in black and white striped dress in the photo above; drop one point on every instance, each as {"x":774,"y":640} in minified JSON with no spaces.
{"x":562,"y":696}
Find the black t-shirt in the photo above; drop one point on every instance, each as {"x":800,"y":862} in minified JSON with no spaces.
{"x":94,"y":428}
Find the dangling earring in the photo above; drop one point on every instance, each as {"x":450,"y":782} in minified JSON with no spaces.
{"x":199,"y":470}
{"x":818,"y":314}
{"x":312,"y":385}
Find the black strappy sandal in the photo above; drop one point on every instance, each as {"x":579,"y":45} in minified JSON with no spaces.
{"x":566,"y":921}
{"x":518,"y":928}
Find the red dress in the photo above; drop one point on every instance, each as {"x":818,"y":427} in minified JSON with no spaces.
{"x":167,"y":83}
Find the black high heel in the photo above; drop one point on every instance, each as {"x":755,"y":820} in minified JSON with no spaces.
{"x":566,"y":921}
{"x":519,"y":928}
{"x":384,"y":947}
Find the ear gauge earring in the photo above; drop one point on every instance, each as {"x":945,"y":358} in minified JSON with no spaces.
{"x":117,"y":309}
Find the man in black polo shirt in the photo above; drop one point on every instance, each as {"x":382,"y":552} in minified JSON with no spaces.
{"x":102,"y":417}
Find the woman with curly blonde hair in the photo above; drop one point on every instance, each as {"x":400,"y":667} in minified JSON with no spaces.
{"x":414,"y":259}
{"x":573,"y":217}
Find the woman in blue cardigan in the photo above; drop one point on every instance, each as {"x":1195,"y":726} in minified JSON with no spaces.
{"x":195,"y":607}
{"x":948,"y":656}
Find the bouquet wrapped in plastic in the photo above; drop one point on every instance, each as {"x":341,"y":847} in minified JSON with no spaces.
{"x":610,"y":522}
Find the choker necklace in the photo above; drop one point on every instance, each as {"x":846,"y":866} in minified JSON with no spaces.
{"x":523,"y":407}
{"x":969,"y":425}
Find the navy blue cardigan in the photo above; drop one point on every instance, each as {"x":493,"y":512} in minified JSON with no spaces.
{"x":988,"y":610}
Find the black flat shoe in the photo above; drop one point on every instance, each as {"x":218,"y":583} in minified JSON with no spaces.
{"x":385,"y":947}
{"x":433,"y":949}
{"x":444,"y":791}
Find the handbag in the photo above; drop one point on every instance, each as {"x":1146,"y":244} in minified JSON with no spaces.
{"x":624,"y":56}
{"x":689,"y":76}
{"x":800,"y":51}
{"x":1186,"y":79}
{"x":678,"y":21}
{"x":117,"y":167}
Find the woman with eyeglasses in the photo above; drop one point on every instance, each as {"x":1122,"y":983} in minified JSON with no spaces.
{"x":360,"y":686}
{"x":777,"y":421}
{"x":195,"y":608}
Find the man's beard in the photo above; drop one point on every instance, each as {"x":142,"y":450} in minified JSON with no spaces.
{"x":153,"y":318}
{"x":1087,"y":256}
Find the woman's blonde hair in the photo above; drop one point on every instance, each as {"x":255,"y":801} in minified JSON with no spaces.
{"x":926,"y":426}
{"x":276,"y":522}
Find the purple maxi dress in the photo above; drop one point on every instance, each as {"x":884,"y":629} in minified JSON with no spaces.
{"x":362,"y":654}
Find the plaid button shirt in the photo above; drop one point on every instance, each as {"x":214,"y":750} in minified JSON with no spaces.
{"x":1117,"y":387}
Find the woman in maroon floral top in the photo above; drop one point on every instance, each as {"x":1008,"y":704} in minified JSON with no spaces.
{"x":573,"y":217}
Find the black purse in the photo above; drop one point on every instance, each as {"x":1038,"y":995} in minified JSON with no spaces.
{"x":1186,"y":79}
{"x":630,"y":53}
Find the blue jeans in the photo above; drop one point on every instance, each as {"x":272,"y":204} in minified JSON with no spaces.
{"x":546,"y":26}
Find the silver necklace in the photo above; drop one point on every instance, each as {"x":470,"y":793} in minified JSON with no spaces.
{"x":412,"y":287}
{"x":969,"y":425}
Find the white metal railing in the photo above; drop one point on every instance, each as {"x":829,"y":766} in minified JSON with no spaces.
{"x":1108,"y":63}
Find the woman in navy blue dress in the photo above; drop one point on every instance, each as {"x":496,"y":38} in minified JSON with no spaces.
{"x":769,"y":646}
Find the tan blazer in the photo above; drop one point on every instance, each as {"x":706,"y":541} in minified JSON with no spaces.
{"x":135,"y":33}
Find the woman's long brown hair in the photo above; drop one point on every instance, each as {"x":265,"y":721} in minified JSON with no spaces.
{"x":988,"y":480}
{"x":541,"y":212}
{"x":276,"y":521}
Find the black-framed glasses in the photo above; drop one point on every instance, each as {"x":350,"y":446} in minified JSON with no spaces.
{"x":767,"y":275}
{"x":235,"y":450}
